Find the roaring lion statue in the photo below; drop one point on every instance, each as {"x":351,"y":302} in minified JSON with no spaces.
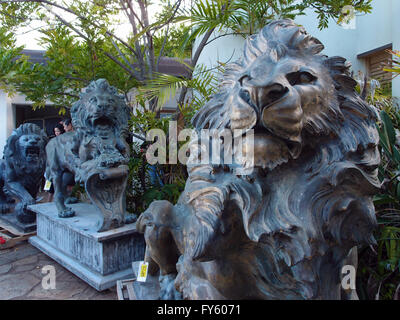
{"x":286,"y":228}
{"x":22,"y":169}
{"x":96,"y":153}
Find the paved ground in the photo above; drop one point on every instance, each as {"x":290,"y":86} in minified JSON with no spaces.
{"x":21,"y":278}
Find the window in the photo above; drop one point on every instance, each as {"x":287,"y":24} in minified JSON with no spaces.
{"x":375,"y":61}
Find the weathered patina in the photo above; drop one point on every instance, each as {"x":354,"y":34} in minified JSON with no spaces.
{"x":21,"y":170}
{"x":285,"y":227}
{"x":96,"y":153}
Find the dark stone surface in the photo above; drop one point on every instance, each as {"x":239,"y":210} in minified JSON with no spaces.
{"x":21,"y":278}
{"x":96,"y":153}
{"x":11,"y":255}
{"x":11,"y":219}
{"x":281,"y":224}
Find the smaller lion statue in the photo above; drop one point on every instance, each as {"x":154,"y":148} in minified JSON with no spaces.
{"x":21,"y":170}
{"x":96,"y":153}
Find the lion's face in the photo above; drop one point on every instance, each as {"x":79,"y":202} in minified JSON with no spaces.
{"x":25,"y":150}
{"x":100,"y":110}
{"x":280,"y":99}
{"x":30,"y":147}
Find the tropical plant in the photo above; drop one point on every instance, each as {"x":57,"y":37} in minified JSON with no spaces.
{"x":82,"y":44}
{"x":134,"y":60}
{"x":379,"y":271}
{"x":394,"y":66}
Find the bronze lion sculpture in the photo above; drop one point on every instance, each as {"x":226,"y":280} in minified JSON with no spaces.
{"x":96,"y":153}
{"x":285,"y":229}
{"x":22,"y":169}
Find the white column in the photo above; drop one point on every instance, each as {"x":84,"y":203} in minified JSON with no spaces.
{"x":7,"y":119}
{"x":3,"y":121}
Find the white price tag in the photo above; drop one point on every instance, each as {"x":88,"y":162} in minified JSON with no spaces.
{"x":142,"y":272}
{"x":47,"y":185}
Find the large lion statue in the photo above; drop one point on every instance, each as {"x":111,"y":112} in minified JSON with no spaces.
{"x":21,"y":170}
{"x":286,"y":228}
{"x":96,"y":153}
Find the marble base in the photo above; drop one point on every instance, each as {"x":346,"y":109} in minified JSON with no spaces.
{"x":98,"y":258}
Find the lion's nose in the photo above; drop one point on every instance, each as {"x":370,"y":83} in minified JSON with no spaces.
{"x":267,"y":95}
{"x":103,"y":107}
{"x":33,"y":140}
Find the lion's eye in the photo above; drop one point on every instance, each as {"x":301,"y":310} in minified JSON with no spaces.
{"x":243,"y":79}
{"x":300,"y":77}
{"x":93,"y":100}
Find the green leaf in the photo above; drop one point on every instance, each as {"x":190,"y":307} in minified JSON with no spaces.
{"x":388,"y":125}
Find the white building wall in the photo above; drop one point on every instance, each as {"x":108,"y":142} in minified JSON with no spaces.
{"x":371,"y":31}
{"x":396,"y":40}
{"x":337,"y":40}
{"x":7,"y":116}
{"x":374,"y":30}
{"x":221,"y":50}
{"x":7,"y":120}
{"x":3,"y":121}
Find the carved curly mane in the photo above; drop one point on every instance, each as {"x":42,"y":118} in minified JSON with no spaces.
{"x":311,"y":209}
{"x":80,"y":113}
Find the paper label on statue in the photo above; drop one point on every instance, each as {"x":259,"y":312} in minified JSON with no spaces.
{"x":142,"y":272}
{"x":47,"y":185}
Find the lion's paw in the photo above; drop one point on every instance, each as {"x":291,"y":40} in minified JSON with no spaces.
{"x":167,"y":288}
{"x":23,"y":206}
{"x":66,"y":213}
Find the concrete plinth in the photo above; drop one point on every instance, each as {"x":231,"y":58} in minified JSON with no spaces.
{"x":99,"y":258}
{"x":10,"y":219}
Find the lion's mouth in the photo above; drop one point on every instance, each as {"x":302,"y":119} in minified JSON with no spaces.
{"x":101,"y":122}
{"x":32,"y":152}
{"x":102,"y":125}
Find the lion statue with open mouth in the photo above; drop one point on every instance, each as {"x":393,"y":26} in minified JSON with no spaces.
{"x":285,"y":229}
{"x":96,"y":153}
{"x":21,"y":171}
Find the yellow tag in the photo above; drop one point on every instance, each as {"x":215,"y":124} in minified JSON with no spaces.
{"x":47,"y":185}
{"x":142,"y":274}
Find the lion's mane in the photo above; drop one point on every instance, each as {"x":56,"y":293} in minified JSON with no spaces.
{"x":79,"y":113}
{"x":307,"y":212}
{"x":12,"y":154}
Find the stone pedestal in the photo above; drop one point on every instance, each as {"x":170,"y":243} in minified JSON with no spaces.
{"x":98,"y":258}
{"x":10,"y":219}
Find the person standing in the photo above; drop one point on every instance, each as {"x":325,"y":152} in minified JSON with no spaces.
{"x":68,"y":125}
{"x":58,"y":129}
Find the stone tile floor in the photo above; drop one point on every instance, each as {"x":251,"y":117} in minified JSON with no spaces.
{"x":21,"y":278}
